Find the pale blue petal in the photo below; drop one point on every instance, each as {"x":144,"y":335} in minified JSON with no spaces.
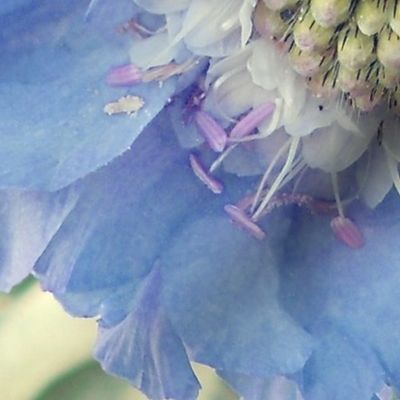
{"x":125,"y":216}
{"x":28,"y":220}
{"x":148,"y":206}
{"x":221,"y":289}
{"x":7,"y":6}
{"x":53,"y":91}
{"x":341,"y":368}
{"x":253,"y":388}
{"x":355,"y":292}
{"x":145,"y":349}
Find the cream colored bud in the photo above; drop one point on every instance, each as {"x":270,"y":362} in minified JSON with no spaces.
{"x":357,"y":83}
{"x":389,"y":77}
{"x":306,"y":63}
{"x":388,"y":49}
{"x":395,"y":17}
{"x":330,"y":13}
{"x":279,"y":4}
{"x":355,"y":50}
{"x":309,"y":35}
{"x":268,"y":22}
{"x":324,"y":85}
{"x":371,"y":16}
{"x":369,"y":101}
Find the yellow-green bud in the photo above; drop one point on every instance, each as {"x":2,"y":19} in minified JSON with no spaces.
{"x":395,"y":17}
{"x":280,"y":4}
{"x":324,"y":85}
{"x":307,"y":63}
{"x":355,"y":50}
{"x":330,"y":13}
{"x":394,"y":101}
{"x":268,"y":22}
{"x":309,"y":35}
{"x":371,"y":16}
{"x":369,"y":101}
{"x":347,"y":47}
{"x":354,"y":82}
{"x":388,"y":49}
{"x":389,"y":77}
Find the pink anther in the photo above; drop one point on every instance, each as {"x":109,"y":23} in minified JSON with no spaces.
{"x":251,"y":121}
{"x":124,"y":75}
{"x":212,"y":131}
{"x":240,"y":218}
{"x":347,"y":232}
{"x":213,"y":184}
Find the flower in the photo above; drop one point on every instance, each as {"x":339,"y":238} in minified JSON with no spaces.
{"x":148,"y":128}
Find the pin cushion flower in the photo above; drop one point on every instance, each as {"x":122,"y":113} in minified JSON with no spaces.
{"x":214,"y":181}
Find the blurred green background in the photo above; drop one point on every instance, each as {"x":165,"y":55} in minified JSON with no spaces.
{"x":46,"y":355}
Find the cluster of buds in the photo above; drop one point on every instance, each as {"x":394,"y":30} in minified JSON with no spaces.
{"x":347,"y":48}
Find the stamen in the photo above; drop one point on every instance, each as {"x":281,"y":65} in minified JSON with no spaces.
{"x":251,"y":121}
{"x":336,"y":192}
{"x":215,"y":165}
{"x":167,"y":71}
{"x":242,"y":220}
{"x":265,"y":177}
{"x":277,"y":183}
{"x":124,"y":75}
{"x":135,"y":27}
{"x":347,"y":232}
{"x":298,"y":199}
{"x":212,"y":131}
{"x":213,"y":184}
{"x":272,"y":127}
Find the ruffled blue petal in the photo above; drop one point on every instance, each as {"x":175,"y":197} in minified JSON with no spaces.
{"x":52,"y":92}
{"x":148,"y":206}
{"x":355,"y":293}
{"x":341,"y":368}
{"x":7,"y":6}
{"x":145,"y":349}
{"x":28,"y":220}
{"x":253,"y":388}
{"x":125,"y":216}
{"x":221,"y":289}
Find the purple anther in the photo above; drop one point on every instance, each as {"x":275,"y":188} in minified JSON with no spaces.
{"x":251,"y":121}
{"x":212,"y":131}
{"x":347,"y":232}
{"x":124,"y":75}
{"x":240,"y":218}
{"x":199,"y":170}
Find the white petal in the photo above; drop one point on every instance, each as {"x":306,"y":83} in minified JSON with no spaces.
{"x":142,"y":52}
{"x":374,"y":177}
{"x":163,"y":6}
{"x":333,"y":149}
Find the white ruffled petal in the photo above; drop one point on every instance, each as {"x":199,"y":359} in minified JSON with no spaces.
{"x":163,"y":6}
{"x":333,"y":149}
{"x":374,"y":177}
{"x":143,"y":52}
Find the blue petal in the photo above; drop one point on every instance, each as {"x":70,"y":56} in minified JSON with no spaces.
{"x":53,"y":91}
{"x":221,"y":289}
{"x":7,"y":6}
{"x":253,"y":388}
{"x":145,"y":349}
{"x":124,"y":217}
{"x":146,"y":206}
{"x":341,"y":368}
{"x":356,"y":292}
{"x":28,"y":220}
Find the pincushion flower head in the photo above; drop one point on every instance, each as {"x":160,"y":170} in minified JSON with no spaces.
{"x":213,"y":181}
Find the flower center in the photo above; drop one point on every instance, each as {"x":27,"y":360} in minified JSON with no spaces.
{"x":348,"y":48}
